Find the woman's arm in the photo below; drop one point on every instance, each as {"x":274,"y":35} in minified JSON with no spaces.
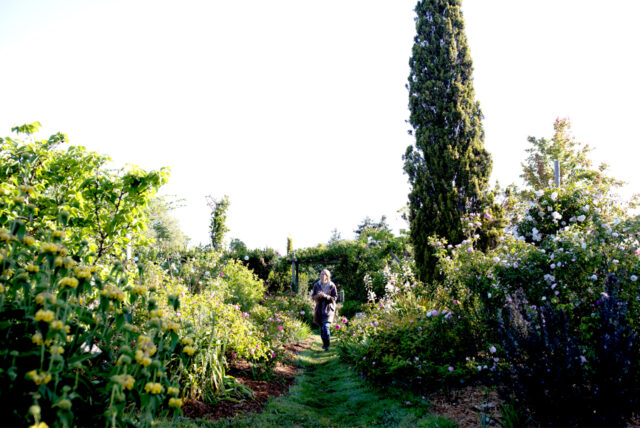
{"x":317,"y":293}
{"x":332,"y":297}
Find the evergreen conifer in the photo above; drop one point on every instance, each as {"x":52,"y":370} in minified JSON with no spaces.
{"x":448,"y":167}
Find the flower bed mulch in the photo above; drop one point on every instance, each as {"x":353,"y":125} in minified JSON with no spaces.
{"x":283,"y":377}
{"x":466,"y":405}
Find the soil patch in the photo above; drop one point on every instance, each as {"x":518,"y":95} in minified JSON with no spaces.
{"x":465,"y":406}
{"x":279,"y":383}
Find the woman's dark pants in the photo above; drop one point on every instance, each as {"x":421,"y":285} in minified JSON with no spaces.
{"x":325,"y":334}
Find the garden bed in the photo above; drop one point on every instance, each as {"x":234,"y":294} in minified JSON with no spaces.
{"x":283,"y":377}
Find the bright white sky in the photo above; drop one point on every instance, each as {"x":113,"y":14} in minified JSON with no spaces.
{"x":296,"y":109}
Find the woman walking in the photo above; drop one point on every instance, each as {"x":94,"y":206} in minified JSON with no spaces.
{"x":325,"y":295}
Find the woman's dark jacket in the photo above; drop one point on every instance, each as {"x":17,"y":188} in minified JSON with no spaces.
{"x":325,"y":307}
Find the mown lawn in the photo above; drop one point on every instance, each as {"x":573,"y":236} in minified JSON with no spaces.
{"x":329,"y":394}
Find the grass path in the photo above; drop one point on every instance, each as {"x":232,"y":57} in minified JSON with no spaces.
{"x":328,"y":394}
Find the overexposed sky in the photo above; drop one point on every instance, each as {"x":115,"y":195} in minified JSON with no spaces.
{"x":297,"y":109}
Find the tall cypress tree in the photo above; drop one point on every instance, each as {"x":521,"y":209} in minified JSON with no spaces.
{"x":448,"y":167}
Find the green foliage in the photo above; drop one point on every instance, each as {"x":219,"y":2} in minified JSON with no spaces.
{"x":104,"y":209}
{"x":448,"y":167}
{"x":350,"y":261}
{"x":88,"y":340}
{"x":349,"y":308}
{"x":573,"y":240}
{"x":218,"y":225}
{"x":163,"y":233}
{"x":82,"y":344}
{"x":244,"y":287}
{"x":575,"y":165}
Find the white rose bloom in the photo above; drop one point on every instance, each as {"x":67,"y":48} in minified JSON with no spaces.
{"x":633,"y":278}
{"x":556,"y":215}
{"x":581,"y":218}
{"x":554,"y":196}
{"x":585,"y":208}
{"x":539,"y":193}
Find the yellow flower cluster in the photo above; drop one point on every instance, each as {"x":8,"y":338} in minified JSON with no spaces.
{"x":44,"y":297}
{"x":172,"y":390}
{"x":145,"y":350}
{"x":125,"y":380}
{"x":189,"y":350}
{"x":175,"y":402}
{"x":56,"y":325}
{"x":154,"y":388}
{"x":113,"y":292}
{"x":187,"y":341}
{"x":83,"y":272}
{"x":156,"y":313}
{"x":146,"y":345}
{"x":37,"y":338}
{"x":57,"y":234}
{"x":69,"y":281}
{"x":28,"y":240}
{"x":139,"y":289}
{"x":18,"y":199}
{"x":31,"y":268}
{"x":39,"y":377}
{"x":5,"y":236}
{"x":142,"y":359}
{"x":170,"y":325}
{"x":132,"y":328}
{"x":1,"y":288}
{"x":26,"y":189}
{"x":40,"y":425}
{"x":44,"y":315}
{"x":49,"y":247}
{"x":56,"y":350}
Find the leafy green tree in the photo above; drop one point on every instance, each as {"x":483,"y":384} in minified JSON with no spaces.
{"x":163,"y":231}
{"x":335,"y":238}
{"x":238,"y":248}
{"x":448,"y":167}
{"x":368,"y":224}
{"x":572,"y":156}
{"x":218,"y":225}
{"x":104,"y":208}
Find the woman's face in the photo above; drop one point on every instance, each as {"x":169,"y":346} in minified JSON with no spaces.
{"x":323,"y":277}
